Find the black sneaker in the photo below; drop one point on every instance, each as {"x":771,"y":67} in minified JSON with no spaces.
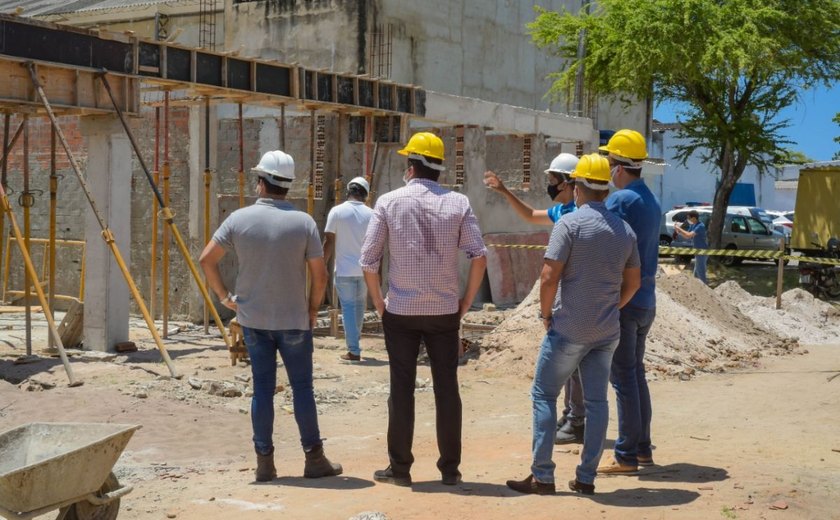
{"x":451,"y":479}
{"x":569,"y":434}
{"x":388,"y":476}
{"x":579,"y":487}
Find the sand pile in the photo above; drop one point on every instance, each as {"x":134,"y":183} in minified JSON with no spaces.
{"x":808,"y":319}
{"x":696,"y":330}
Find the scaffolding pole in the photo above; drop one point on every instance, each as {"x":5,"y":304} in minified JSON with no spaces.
{"x":30,"y":269}
{"x":153,"y":269}
{"x":241,"y":173}
{"x":53,"y":214}
{"x":170,"y":222}
{"x":310,"y":192}
{"x":6,"y":147}
{"x":26,"y":201}
{"x":165,"y":204}
{"x":107,"y":234}
{"x":208,"y":179}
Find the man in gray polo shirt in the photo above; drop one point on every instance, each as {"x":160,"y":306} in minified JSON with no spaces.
{"x":274,"y":243}
{"x":594,"y":253}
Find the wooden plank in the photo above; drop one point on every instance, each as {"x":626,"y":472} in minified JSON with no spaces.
{"x":71,"y":328}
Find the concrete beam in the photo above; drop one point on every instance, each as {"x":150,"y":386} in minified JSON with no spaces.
{"x":450,"y":110}
{"x":108,"y":179}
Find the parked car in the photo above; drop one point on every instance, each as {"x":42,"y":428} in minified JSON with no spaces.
{"x":740,"y":231}
{"x":782,"y":222}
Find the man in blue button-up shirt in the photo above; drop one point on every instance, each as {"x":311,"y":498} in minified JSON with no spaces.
{"x":639,"y":207}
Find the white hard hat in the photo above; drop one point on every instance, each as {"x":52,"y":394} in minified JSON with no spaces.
{"x":277,"y":168}
{"x":564,"y":163}
{"x":361,"y":181}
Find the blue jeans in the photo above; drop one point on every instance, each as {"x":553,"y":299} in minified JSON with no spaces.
{"x":631,"y":388}
{"x":555,"y":363}
{"x":295,"y":347}
{"x":700,"y":268}
{"x":352,"y":293}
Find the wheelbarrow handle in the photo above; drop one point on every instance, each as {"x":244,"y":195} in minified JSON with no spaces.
{"x":109,"y":497}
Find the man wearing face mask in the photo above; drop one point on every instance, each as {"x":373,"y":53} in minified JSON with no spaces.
{"x":570,"y":428}
{"x":423,"y":226}
{"x":639,"y":207}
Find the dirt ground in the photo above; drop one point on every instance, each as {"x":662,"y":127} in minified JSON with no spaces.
{"x":760,"y":441}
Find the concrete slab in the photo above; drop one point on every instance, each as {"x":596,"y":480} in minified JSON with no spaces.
{"x":512,"y":272}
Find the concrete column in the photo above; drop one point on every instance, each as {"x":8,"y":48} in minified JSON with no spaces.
{"x":108,"y":178}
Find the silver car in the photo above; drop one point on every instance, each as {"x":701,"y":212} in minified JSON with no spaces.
{"x":739,"y":232}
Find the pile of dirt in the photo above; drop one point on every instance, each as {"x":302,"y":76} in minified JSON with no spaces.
{"x":696,"y":330}
{"x":803,"y":317}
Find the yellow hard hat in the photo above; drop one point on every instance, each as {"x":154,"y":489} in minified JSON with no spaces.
{"x":628,"y":144}
{"x":592,"y":167}
{"x":426,"y":144}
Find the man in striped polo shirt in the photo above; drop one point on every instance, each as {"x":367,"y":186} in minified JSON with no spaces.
{"x":593,"y":253}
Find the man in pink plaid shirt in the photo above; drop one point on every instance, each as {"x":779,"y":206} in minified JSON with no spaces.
{"x":424,"y":225}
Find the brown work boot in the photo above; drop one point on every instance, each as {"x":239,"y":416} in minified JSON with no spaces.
{"x":266,"y":472}
{"x":318,"y":465}
{"x":614,"y":467}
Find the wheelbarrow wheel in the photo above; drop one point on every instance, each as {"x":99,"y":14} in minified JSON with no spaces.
{"x":84,"y":510}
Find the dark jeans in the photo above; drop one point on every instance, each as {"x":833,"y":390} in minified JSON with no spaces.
{"x":631,"y":388}
{"x":573,"y":407}
{"x":295,"y":347}
{"x":402,"y":340}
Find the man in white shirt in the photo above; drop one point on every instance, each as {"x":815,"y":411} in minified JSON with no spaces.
{"x":344,"y":235}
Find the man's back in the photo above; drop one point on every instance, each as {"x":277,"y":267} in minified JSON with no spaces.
{"x":349,"y":221}
{"x":425,"y":225}
{"x":639,"y":207}
{"x":595,"y":246}
{"x":272,"y":241}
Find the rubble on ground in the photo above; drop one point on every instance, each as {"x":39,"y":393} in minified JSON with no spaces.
{"x":697,"y":329}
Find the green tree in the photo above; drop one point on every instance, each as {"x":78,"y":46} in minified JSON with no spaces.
{"x":733,"y":65}
{"x":837,"y":139}
{"x":791,"y":156}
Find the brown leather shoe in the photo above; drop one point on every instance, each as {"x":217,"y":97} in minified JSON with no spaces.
{"x":579,"y":487}
{"x":349,"y":356}
{"x":614,"y":467}
{"x":531,"y":486}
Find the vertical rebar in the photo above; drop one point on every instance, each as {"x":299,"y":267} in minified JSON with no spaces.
{"x":310,"y":192}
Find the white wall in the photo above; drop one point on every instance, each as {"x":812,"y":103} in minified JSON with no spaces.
{"x":696,"y":180}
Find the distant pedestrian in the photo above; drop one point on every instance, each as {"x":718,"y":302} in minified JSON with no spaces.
{"x":639,"y":207}
{"x":344,"y":235}
{"x":592,"y":253}
{"x":274,"y":243}
{"x":560,"y":188}
{"x":423,"y":226}
{"x":697,"y":233}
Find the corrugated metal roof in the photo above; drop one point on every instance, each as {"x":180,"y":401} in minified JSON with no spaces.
{"x":35,"y":8}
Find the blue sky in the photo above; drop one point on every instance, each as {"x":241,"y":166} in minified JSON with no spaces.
{"x":811,"y":127}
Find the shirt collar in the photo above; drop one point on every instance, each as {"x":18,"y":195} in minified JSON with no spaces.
{"x":425,"y":182}
{"x":277,"y":203}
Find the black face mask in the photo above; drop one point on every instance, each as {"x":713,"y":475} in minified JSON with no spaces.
{"x":553,"y":190}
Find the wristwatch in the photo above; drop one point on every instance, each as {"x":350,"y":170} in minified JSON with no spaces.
{"x":229,"y":298}
{"x":543,"y":318}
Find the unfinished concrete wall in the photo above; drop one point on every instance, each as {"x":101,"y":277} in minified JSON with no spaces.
{"x":473,"y":48}
{"x":315,"y":33}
